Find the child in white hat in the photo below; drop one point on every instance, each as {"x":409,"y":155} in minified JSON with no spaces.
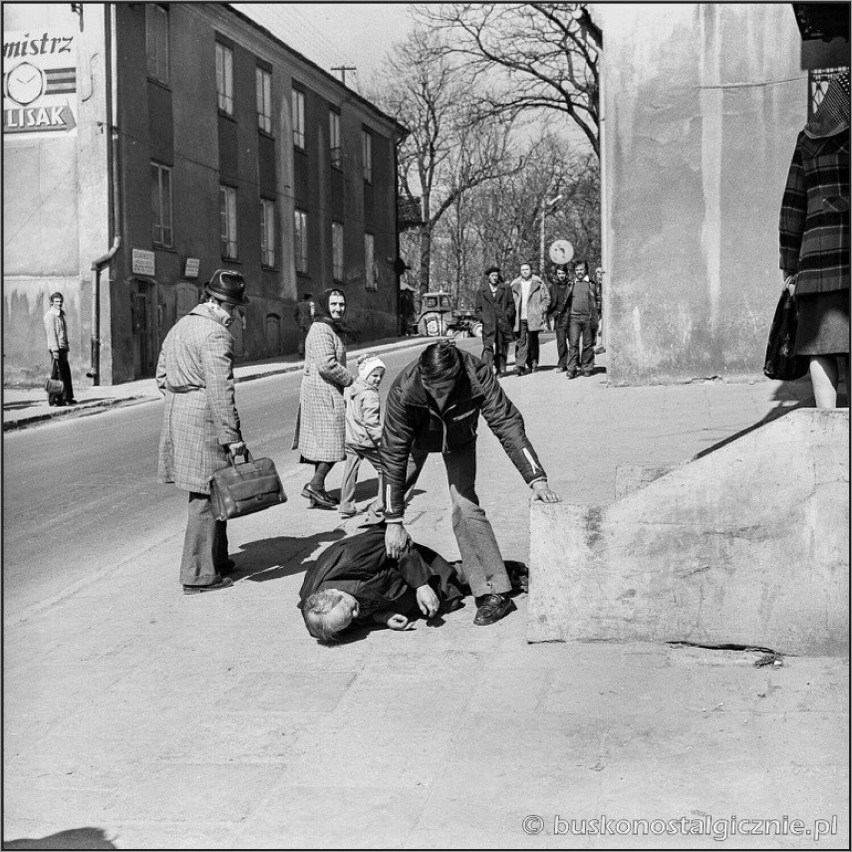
{"x":363,"y":431}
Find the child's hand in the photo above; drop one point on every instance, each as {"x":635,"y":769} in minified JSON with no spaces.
{"x":427,"y":600}
{"x":396,"y":621}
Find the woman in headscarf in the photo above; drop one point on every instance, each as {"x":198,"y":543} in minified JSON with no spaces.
{"x":814,"y":238}
{"x":321,"y":423}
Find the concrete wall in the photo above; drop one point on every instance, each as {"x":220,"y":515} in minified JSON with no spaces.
{"x":54,"y":194}
{"x":748,"y":545}
{"x":702,"y":105}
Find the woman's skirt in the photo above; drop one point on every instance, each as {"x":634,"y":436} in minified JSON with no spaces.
{"x":823,"y":327}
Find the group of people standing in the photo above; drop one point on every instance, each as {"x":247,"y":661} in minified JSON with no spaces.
{"x":433,"y":406}
{"x":521,"y":310}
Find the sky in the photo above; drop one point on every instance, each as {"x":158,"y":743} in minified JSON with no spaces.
{"x":331,"y":34}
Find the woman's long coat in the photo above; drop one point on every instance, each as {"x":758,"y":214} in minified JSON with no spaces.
{"x":321,"y":424}
{"x":195,"y":375}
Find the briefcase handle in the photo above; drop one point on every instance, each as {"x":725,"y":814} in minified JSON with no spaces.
{"x":247,"y":457}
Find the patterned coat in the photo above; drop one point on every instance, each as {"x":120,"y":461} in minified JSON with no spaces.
{"x":321,"y":424}
{"x":537,"y":303}
{"x":814,"y":222}
{"x":195,"y":374}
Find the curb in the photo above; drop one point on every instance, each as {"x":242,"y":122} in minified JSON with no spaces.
{"x":89,"y":409}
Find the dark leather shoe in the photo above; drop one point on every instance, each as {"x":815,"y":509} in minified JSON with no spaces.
{"x":224,"y":583}
{"x":319,"y":499}
{"x":493,"y":608}
{"x":587,"y":373}
{"x":572,"y":374}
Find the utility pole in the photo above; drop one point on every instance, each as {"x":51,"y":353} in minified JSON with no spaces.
{"x":343,"y":69}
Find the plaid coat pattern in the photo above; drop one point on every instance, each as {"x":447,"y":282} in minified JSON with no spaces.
{"x":321,"y":424}
{"x":195,"y":374}
{"x":814,"y":221}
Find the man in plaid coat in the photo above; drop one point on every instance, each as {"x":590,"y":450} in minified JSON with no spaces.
{"x":201,"y":424}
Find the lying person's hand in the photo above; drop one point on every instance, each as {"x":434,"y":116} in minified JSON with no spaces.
{"x":396,"y":540}
{"x":427,"y":600}
{"x":541,"y":491}
{"x":396,"y":621}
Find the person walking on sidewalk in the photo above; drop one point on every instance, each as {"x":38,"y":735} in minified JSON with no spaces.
{"x":582,"y":323}
{"x":495,"y":309}
{"x":433,"y":407}
{"x":531,"y":298}
{"x":560,"y":307}
{"x":304,"y":316}
{"x":321,"y":422}
{"x":201,"y":426}
{"x":363,"y":431}
{"x":56,"y":329}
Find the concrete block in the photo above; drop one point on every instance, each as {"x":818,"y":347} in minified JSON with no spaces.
{"x":632,"y":477}
{"x":747,"y":545}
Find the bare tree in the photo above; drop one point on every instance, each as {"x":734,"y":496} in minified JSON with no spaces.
{"x":451,"y":148}
{"x":549,"y":52}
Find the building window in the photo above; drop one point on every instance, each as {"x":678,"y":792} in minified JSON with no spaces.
{"x":337,"y":250}
{"x":298,"y":118}
{"x":225,"y":78}
{"x":157,"y":42}
{"x":334,"y":138}
{"x":161,"y":205}
{"x":371,"y":278}
{"x":228,"y":221}
{"x":300,"y":240}
{"x":367,"y":154}
{"x":267,"y":232}
{"x":264,"y":100}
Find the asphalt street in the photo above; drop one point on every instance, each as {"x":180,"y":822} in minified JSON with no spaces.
{"x":81,"y":495}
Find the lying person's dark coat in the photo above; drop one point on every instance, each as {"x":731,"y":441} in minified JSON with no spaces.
{"x":360,"y":566}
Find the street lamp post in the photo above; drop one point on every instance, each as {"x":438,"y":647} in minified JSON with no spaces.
{"x":544,"y":205}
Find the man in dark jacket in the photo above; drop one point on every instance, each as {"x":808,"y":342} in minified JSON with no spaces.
{"x":495,"y":309}
{"x":304,"y":316}
{"x":354,"y":580}
{"x":433,"y":406}
{"x":560,"y":308}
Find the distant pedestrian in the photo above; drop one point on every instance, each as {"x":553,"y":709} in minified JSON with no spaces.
{"x":531,"y":298}
{"x":56,"y":329}
{"x":433,"y":407}
{"x":304,"y":316}
{"x":495,"y":309}
{"x":560,"y":308}
{"x":321,"y":422}
{"x":599,"y":274}
{"x":582,"y":323}
{"x":363,"y":431}
{"x":814,"y":241}
{"x":201,"y":426}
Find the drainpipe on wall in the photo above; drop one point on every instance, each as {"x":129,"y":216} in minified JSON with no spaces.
{"x":112,"y":188}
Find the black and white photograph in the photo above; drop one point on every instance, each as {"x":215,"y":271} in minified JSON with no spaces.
{"x":426,"y":426}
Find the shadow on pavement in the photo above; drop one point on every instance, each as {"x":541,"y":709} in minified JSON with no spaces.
{"x":73,"y":838}
{"x":280,"y":556}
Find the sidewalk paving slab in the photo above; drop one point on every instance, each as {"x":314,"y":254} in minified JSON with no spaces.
{"x":215,"y":721}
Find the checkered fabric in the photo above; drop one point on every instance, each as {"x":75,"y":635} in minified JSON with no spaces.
{"x":195,"y":374}
{"x":321,"y":424}
{"x":814,"y":221}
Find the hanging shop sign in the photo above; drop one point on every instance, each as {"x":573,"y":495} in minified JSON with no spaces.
{"x":40,"y":81}
{"x":192,"y":266}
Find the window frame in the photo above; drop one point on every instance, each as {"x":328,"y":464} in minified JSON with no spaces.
{"x":337,"y":254}
{"x":297,"y":98}
{"x":263,"y":89}
{"x":335,"y":135}
{"x":371,"y":278}
{"x":156,"y":73}
{"x":228,"y":217}
{"x":367,"y":154}
{"x":158,"y":227}
{"x":300,"y":241}
{"x":225,"y":79}
{"x":267,"y":233}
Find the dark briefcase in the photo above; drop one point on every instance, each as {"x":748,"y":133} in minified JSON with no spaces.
{"x":781,"y":362}
{"x":244,"y":488}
